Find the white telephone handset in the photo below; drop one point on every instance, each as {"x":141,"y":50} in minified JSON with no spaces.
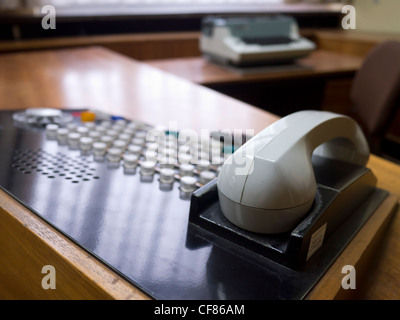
{"x":275,"y":186}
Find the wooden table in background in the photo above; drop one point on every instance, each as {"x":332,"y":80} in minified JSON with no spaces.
{"x":318,"y":63}
{"x":321,"y":80}
{"x":103,"y":80}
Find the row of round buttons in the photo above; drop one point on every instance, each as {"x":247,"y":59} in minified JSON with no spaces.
{"x":127,"y":143}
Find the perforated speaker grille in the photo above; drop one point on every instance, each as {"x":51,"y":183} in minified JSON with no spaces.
{"x":54,"y":166}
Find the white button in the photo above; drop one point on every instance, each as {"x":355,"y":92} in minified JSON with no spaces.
{"x":73,"y":140}
{"x":186,"y":169}
{"x":134,"y":149}
{"x":120,"y":122}
{"x":188,"y":184}
{"x":51,"y":131}
{"x":130,"y":132}
{"x":120,"y":144}
{"x":152,"y":146}
{"x":133,"y":126}
{"x":166,"y":162}
{"x":52,"y":127}
{"x":184,"y":158}
{"x":62,"y":135}
{"x":83,"y":131}
{"x":141,"y":135}
{"x":203,"y":165}
{"x":114,"y":154}
{"x":99,"y":147}
{"x":147,"y":167}
{"x":85,"y":143}
{"x":207,"y":176}
{"x":217,"y":161}
{"x":74,"y":136}
{"x":71,"y":127}
{"x":117,"y":128}
{"x":167,"y":175}
{"x":102,"y":130}
{"x":90,"y":125}
{"x":99,"y":150}
{"x":106,"y":124}
{"x":150,"y":156}
{"x":130,"y":160}
{"x":138,"y":141}
{"x":107,"y":140}
{"x":95,"y":135}
{"x":112,"y":133}
{"x":124,"y":137}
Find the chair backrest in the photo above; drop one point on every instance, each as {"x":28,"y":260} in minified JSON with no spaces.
{"x":376,"y":88}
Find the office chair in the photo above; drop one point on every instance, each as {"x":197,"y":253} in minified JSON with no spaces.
{"x":375,"y":93}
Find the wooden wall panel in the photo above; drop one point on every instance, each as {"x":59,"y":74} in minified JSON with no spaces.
{"x":136,"y":46}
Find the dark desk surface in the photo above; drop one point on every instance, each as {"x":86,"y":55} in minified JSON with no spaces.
{"x":318,"y":63}
{"x":110,"y":82}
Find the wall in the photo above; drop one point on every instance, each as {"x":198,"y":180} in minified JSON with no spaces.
{"x":378,"y":15}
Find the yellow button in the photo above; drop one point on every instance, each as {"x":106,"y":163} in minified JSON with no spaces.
{"x":88,"y":116}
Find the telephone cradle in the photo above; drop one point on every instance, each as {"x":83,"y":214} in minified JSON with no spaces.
{"x":180,"y":231}
{"x":339,"y":210}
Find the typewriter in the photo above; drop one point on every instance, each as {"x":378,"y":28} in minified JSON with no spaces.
{"x":253,"y":41}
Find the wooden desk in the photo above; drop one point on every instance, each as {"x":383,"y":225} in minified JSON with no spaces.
{"x":106,"y":81}
{"x":318,"y":63}
{"x":312,"y":82}
{"x":99,"y":78}
{"x":354,"y":42}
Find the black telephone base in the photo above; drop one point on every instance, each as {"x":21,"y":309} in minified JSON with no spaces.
{"x":142,"y":232}
{"x":336,"y":207}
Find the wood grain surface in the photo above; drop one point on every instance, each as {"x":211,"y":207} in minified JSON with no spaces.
{"x":100,"y":79}
{"x":318,"y":63}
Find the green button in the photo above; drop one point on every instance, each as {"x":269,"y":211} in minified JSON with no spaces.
{"x":172,"y":133}
{"x":229,"y":149}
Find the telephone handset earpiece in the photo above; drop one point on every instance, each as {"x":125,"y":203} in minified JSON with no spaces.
{"x":268,"y":184}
